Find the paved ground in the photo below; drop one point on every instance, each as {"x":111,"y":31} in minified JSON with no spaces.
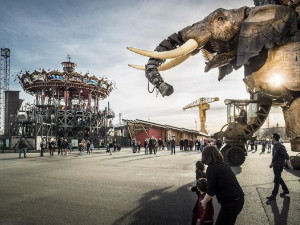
{"x":128,"y":188}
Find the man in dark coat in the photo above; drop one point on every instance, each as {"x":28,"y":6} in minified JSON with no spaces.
{"x":279,"y":156}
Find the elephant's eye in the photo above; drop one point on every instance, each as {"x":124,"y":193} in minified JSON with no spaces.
{"x":220,"y":18}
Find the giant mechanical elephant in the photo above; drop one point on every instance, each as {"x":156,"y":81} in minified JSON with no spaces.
{"x":264,"y":39}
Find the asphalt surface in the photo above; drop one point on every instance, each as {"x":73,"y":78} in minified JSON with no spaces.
{"x":128,"y":188}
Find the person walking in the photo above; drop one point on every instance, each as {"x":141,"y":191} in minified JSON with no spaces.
{"x":88,"y":146}
{"x":60,"y":145}
{"x":255,"y":145}
{"x":252,"y":145}
{"x":264,"y":144}
{"x":51,"y":146}
{"x":222,"y":182}
{"x":181,"y":144}
{"x":196,"y":144}
{"x":201,"y":143}
{"x":66,"y":145}
{"x":173,"y":145}
{"x":134,"y":146}
{"x":146,"y":146}
{"x":185,"y":144}
{"x":279,"y":156}
{"x":22,"y":148}
{"x":151,"y":144}
{"x":70,"y":147}
{"x":80,"y":148}
{"x":92,"y":147}
{"x":191,"y":145}
{"x":269,"y":146}
{"x":43,"y":146}
{"x":160,"y":144}
{"x":109,"y":146}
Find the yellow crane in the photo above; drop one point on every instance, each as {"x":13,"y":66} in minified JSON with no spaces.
{"x":203,"y":105}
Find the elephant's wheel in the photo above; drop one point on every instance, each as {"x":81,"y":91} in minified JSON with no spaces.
{"x":235,"y":155}
{"x":295,"y":161}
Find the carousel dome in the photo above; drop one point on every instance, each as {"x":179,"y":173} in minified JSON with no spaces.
{"x":68,"y":79}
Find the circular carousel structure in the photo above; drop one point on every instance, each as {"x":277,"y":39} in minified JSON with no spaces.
{"x":66,"y":104}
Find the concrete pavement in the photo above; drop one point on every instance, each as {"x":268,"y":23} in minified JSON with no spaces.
{"x":128,"y":188}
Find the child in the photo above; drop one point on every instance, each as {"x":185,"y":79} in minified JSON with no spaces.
{"x":202,"y":216}
{"x":200,"y":170}
{"x":199,"y":174}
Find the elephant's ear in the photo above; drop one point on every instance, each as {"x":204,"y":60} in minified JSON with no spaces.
{"x":266,"y":26}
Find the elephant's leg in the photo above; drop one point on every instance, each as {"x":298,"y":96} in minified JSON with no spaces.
{"x":292,"y":121}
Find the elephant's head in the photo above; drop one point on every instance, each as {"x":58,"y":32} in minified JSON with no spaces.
{"x":227,"y":38}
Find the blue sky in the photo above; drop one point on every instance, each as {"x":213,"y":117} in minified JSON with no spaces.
{"x":41,"y":33}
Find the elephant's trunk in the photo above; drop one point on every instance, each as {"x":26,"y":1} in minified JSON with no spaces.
{"x":151,"y":67}
{"x":173,"y":42}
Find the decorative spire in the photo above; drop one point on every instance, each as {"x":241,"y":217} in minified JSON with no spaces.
{"x":69,"y":66}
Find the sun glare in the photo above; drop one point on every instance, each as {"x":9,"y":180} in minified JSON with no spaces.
{"x":276,"y":80}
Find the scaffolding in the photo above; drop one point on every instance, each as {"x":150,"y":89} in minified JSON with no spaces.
{"x":4,"y":83}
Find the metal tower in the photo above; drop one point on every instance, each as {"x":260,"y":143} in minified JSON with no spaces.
{"x":202,"y":104}
{"x":4,"y":83}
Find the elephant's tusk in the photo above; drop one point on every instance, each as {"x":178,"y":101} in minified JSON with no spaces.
{"x":138,"y":67}
{"x":174,"y":62}
{"x":187,"y":47}
{"x":167,"y":65}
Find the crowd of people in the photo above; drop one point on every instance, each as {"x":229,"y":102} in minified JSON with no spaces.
{"x":198,"y":144}
{"x":112,"y":145}
{"x":152,"y":145}
{"x":252,"y":145}
{"x":64,"y":147}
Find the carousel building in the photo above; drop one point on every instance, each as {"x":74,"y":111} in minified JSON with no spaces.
{"x":67,"y":105}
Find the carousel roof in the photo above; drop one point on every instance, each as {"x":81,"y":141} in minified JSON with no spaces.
{"x":38,"y":80}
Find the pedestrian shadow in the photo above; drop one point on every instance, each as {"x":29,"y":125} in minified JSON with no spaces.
{"x":282,"y":211}
{"x":8,"y":159}
{"x":280,"y":217}
{"x":162,"y":206}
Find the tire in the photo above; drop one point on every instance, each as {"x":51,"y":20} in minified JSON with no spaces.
{"x":236,"y":156}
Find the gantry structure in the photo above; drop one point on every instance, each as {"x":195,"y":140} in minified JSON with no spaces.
{"x":4,"y":83}
{"x":203,"y":105}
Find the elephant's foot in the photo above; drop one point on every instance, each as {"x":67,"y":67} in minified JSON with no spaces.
{"x":295,"y":144}
{"x":292,"y":121}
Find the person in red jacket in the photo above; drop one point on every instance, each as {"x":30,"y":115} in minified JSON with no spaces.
{"x":202,"y":216}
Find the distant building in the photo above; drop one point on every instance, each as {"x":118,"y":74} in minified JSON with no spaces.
{"x":141,"y":130}
{"x":266,"y":133}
